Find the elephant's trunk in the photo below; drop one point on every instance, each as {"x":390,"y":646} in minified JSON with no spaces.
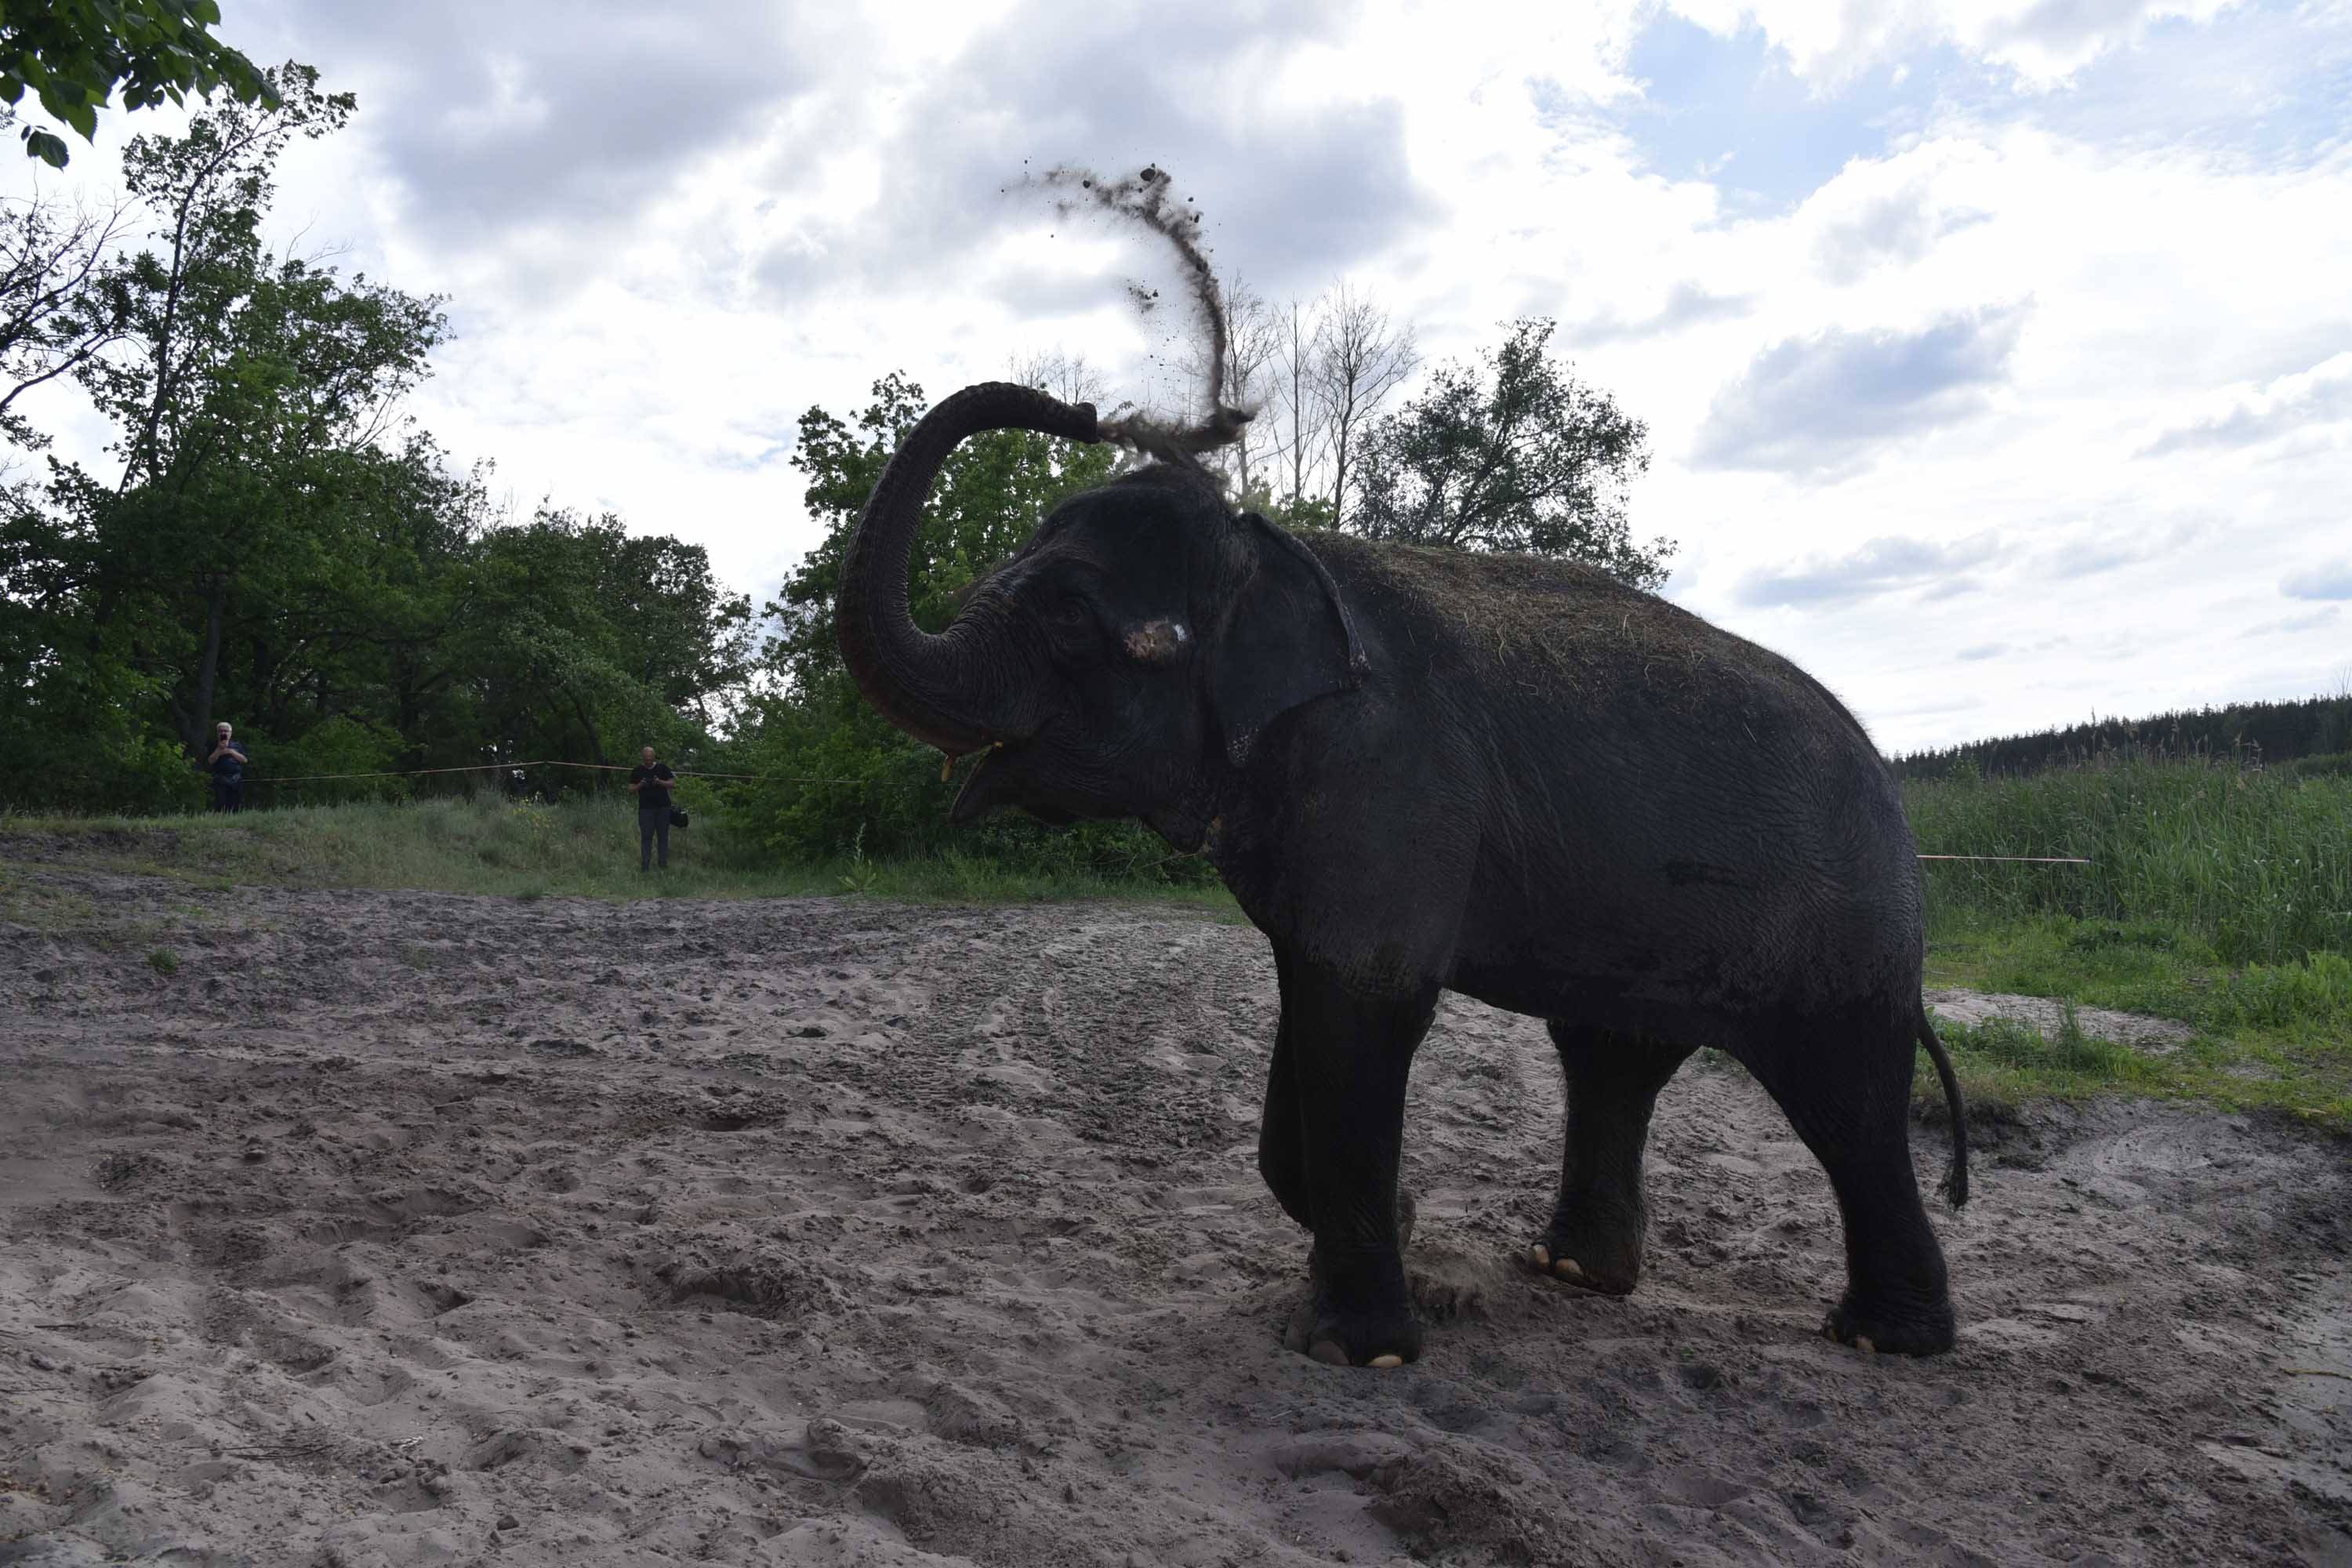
{"x":942,"y":690}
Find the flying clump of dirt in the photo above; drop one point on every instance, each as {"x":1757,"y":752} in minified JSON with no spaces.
{"x":1143,"y":198}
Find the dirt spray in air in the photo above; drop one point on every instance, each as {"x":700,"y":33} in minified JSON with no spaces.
{"x":1143,"y":198}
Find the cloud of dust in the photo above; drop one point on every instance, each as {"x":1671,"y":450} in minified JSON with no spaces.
{"x":1143,"y":198}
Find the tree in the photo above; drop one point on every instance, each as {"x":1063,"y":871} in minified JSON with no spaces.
{"x":52,"y":321}
{"x":1252,"y":338}
{"x":1301,"y":415}
{"x":73,"y":54}
{"x":1513,"y":453}
{"x":249,"y":396}
{"x":582,"y":637}
{"x":847,"y":777}
{"x":1063,"y":375}
{"x":1364,"y":360}
{"x":280,"y":545}
{"x":209,"y":190}
{"x":241,"y":388}
{"x":991,"y":496}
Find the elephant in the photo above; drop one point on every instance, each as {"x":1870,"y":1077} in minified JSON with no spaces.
{"x":1423,"y":769}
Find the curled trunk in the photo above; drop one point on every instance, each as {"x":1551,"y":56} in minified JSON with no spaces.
{"x":944,"y":690}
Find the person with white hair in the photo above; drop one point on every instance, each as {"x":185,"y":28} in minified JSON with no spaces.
{"x":227,"y":763}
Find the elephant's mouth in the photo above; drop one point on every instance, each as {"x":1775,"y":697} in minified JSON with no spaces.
{"x":1003,"y":777}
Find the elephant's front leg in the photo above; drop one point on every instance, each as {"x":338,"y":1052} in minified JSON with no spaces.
{"x":1347,"y":1053}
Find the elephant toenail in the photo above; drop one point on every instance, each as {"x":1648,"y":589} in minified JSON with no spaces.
{"x":1861,"y":1342}
{"x":1330,"y":1352}
{"x":1385,"y":1361}
{"x":1542,"y":1255}
{"x":1568,"y":1269}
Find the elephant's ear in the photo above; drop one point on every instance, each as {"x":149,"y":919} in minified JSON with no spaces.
{"x":1287,"y":640}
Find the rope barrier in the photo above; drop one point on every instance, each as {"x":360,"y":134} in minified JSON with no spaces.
{"x":516,"y":767}
{"x":2018,"y":860}
{"x":801,"y":778}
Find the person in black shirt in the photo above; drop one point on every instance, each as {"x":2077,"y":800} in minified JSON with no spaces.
{"x":651,"y":782}
{"x":228,"y":765}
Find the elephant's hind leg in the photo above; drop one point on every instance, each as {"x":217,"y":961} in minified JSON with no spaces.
{"x":1846,"y":1088}
{"x":1613,"y":1080}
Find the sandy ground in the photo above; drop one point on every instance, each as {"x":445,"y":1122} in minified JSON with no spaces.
{"x":403,"y":1228}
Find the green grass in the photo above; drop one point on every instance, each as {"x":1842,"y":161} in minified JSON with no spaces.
{"x":2219,"y":895}
{"x":533,"y":851}
{"x":2003,"y":1065}
{"x":2254,"y":866}
{"x":2275,"y":1036}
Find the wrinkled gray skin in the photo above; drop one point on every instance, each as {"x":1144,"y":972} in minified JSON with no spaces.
{"x":1421,"y":769}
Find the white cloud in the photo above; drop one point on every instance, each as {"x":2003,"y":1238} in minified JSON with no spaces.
{"x":2247,"y":414}
{"x":2324,"y":580}
{"x":1805,"y":404}
{"x":1880,"y":565}
{"x":2041,"y":42}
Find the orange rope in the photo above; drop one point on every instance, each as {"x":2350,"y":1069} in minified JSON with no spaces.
{"x":798,"y":778}
{"x":2018,"y":860}
{"x":503,"y":767}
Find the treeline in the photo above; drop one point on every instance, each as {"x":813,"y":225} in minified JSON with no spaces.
{"x":279,"y":548}
{"x":2254,"y":734}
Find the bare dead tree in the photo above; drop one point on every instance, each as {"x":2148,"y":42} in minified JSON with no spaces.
{"x":1144,"y":198}
{"x":1365,"y":359}
{"x":1301,"y":414}
{"x":1067,"y":377}
{"x":1251,"y":339}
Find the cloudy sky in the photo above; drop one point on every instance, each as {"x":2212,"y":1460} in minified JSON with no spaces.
{"x":1997,"y":356}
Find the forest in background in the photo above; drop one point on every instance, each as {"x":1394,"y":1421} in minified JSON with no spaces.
{"x":2313,"y":735}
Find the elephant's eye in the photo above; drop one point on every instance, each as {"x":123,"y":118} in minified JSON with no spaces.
{"x":1070,"y":614}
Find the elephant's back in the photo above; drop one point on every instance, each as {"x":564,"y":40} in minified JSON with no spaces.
{"x":1574,"y":635}
{"x":1628,"y":745}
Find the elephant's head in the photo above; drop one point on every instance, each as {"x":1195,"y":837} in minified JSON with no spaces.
{"x":1119,"y":665}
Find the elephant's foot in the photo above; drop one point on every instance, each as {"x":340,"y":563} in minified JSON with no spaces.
{"x":1322,"y":1332}
{"x":1929,"y":1331}
{"x":1607,"y":1260}
{"x":1369,"y":1330}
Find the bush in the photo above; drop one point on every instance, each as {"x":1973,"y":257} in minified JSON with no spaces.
{"x":338,"y":745}
{"x":124,"y":770}
{"x":2282,"y":995}
{"x":842,"y":782}
{"x":140,"y":771}
{"x":2009,"y":1044}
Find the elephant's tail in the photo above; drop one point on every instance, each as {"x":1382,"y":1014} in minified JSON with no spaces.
{"x":1956,"y":1181}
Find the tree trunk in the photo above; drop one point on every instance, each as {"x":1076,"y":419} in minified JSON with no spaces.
{"x":207,"y":672}
{"x":410,"y":708}
{"x":595,"y":744}
{"x":1339,"y":475}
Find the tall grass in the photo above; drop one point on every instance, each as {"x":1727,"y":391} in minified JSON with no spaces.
{"x":2256,"y":865}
